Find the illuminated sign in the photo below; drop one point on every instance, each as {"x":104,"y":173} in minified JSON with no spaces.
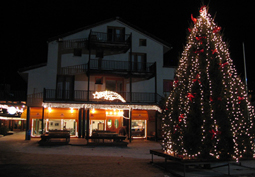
{"x":108,"y":95}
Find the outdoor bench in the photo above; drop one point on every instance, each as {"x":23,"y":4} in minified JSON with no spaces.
{"x":192,"y":162}
{"x":55,"y":137}
{"x":114,"y":138}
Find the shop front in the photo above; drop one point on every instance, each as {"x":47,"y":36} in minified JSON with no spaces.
{"x":42,"y":120}
{"x":139,"y":124}
{"x":84,"y":119}
{"x":113,"y":120}
{"x":11,"y":117}
{"x":106,"y":120}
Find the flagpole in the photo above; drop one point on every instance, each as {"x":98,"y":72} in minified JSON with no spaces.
{"x":245,"y":73}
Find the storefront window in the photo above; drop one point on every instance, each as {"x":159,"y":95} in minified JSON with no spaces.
{"x":116,"y":123}
{"x":61,"y":124}
{"x":138,"y":128}
{"x":36,"y":127}
{"x":109,"y":123}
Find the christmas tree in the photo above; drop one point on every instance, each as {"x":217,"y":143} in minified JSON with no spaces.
{"x":207,"y":115}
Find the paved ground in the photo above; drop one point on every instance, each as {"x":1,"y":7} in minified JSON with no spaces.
{"x":20,"y":157}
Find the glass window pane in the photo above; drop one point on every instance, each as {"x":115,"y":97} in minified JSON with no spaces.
{"x":116,"y":123}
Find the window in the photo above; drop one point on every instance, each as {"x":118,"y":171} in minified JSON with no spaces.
{"x":115,"y":34}
{"x":116,"y":123}
{"x":109,"y":123}
{"x":114,"y":85}
{"x":138,"y":128}
{"x":65,"y":87}
{"x":77,"y":52}
{"x":142,"y":42}
{"x":138,"y":62}
{"x":99,"y":80}
{"x":167,"y":85}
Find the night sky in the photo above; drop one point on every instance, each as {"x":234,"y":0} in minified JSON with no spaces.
{"x":27,"y":26}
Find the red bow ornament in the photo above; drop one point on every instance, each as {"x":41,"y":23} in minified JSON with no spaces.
{"x":214,"y":133}
{"x":214,"y":51}
{"x":216,"y":29}
{"x":193,"y":19}
{"x":176,"y":82}
{"x":200,"y":38}
{"x":201,"y":9}
{"x":176,"y":128}
{"x":199,"y":51}
{"x":190,"y":96}
{"x":181,"y":117}
{"x":197,"y":79}
{"x":223,"y":65}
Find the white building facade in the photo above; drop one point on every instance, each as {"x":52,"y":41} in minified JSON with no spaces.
{"x":113,"y":56}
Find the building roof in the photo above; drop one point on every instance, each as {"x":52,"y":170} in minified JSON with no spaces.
{"x":167,"y":45}
{"x":107,"y":21}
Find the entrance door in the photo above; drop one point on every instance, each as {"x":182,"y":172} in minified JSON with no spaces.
{"x":113,"y":124}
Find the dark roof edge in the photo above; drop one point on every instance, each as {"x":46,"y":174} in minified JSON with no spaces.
{"x":32,"y":67}
{"x":80,"y":29}
{"x":109,"y":20}
{"x":145,"y":32}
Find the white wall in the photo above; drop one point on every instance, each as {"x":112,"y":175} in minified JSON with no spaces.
{"x":45,"y":77}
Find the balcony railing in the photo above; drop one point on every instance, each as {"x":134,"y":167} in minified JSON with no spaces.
{"x":109,"y":65}
{"x":97,"y":37}
{"x":12,"y":95}
{"x":75,"y":43}
{"x":82,"y":96}
{"x":72,"y":70}
{"x":109,"y":38}
{"x":121,"y":65}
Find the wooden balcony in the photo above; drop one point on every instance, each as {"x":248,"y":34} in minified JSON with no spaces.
{"x":52,"y":95}
{"x":122,"y":68}
{"x":75,"y":43}
{"x":95,"y":40}
{"x":12,"y":96}
{"x":119,"y":43}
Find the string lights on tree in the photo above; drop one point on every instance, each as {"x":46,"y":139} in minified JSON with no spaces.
{"x":207,"y":115}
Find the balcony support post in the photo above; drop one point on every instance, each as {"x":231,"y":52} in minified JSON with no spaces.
{"x":83,"y":122}
{"x":130,"y":71}
{"x":88,"y":72}
{"x":28,"y":129}
{"x":155,"y":82}
{"x":42,"y":119}
{"x":130,"y":125}
{"x":156,"y":126}
{"x":79,"y":123}
{"x":87,"y":132}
